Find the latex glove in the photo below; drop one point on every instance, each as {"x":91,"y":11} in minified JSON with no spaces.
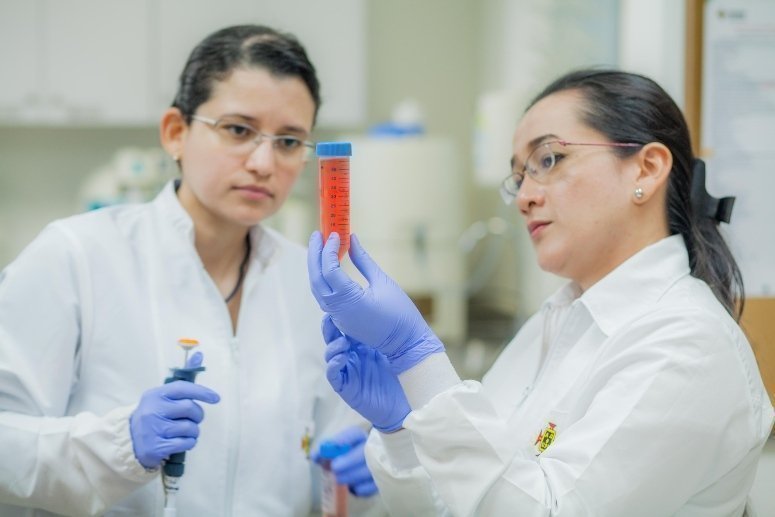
{"x":167,"y":419}
{"x":381,"y":316}
{"x":350,"y":468}
{"x":364,"y":379}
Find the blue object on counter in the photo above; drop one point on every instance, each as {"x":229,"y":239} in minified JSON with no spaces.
{"x":391,"y":129}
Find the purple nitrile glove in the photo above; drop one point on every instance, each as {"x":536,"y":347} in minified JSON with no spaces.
{"x":364,"y":379}
{"x":381,"y":316}
{"x":350,"y":468}
{"x":167,"y":419}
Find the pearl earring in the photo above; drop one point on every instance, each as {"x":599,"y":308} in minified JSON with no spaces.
{"x":638,"y":193}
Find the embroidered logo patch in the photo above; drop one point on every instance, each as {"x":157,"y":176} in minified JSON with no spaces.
{"x":545,"y":438}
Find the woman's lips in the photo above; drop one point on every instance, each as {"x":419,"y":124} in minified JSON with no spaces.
{"x":535,"y":228}
{"x":253,"y":192}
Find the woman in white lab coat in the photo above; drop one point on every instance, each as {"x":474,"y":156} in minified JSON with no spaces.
{"x":91,"y":312}
{"x":632,"y":391}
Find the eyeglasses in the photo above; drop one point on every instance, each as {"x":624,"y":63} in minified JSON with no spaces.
{"x":540,"y":162}
{"x":242,"y":139}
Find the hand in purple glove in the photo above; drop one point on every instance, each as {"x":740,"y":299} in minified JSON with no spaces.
{"x":350,"y":468}
{"x":364,"y":379}
{"x":167,"y":419}
{"x":381,"y":316}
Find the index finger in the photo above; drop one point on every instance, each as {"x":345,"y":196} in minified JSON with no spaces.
{"x":178,"y":390}
{"x":329,"y":329}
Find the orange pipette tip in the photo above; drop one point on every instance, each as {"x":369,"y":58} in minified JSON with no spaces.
{"x":188,"y":342}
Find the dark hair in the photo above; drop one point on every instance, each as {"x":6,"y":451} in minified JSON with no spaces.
{"x":242,"y":46}
{"x":627,"y":107}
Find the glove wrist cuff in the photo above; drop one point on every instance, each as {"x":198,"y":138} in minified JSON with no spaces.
{"x":411,"y":354}
{"x":391,"y":428}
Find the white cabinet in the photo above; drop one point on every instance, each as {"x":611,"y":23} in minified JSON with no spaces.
{"x":117,"y":62}
{"x":74,"y":61}
{"x":96,"y":59}
{"x":19,"y":63}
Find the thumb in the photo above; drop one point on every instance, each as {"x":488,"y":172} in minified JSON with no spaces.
{"x":195,"y":361}
{"x":331,"y":269}
{"x":363,"y":262}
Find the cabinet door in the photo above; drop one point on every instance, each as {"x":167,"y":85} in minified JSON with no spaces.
{"x":19,"y":62}
{"x":332,"y":32}
{"x":97,"y":60}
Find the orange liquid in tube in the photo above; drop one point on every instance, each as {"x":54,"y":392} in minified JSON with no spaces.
{"x":334,"y":178}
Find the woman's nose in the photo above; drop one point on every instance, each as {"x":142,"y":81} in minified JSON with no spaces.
{"x":262,"y":159}
{"x":530,"y":193}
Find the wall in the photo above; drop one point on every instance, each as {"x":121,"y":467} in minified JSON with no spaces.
{"x":658,"y":54}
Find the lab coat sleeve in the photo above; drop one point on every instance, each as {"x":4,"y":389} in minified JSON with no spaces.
{"x":659,"y":415}
{"x":405,"y":486}
{"x":75,"y":464}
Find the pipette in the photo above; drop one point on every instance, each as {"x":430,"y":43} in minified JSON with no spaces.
{"x":174,"y":465}
{"x":187,"y":344}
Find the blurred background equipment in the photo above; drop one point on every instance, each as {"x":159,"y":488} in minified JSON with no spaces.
{"x":408,"y":208}
{"x":133,"y":175}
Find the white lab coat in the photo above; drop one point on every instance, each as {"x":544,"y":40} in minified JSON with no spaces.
{"x":640,"y":397}
{"x":90,"y":314}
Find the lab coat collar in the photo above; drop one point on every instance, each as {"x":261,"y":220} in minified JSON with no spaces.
{"x":264,"y":242}
{"x":566,"y":295}
{"x":637,"y":284}
{"x":171,"y":210}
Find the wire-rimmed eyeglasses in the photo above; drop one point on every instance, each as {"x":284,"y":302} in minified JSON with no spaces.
{"x":540,"y":162}
{"x":242,"y":139}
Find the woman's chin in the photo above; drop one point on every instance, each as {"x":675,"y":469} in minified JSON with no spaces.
{"x":550,"y":263}
{"x":251,"y":217}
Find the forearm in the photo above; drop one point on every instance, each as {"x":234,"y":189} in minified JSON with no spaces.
{"x":448,"y":466}
{"x":78,"y":465}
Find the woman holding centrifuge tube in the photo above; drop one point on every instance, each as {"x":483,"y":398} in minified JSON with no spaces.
{"x":633,"y":391}
{"x":93,"y":310}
